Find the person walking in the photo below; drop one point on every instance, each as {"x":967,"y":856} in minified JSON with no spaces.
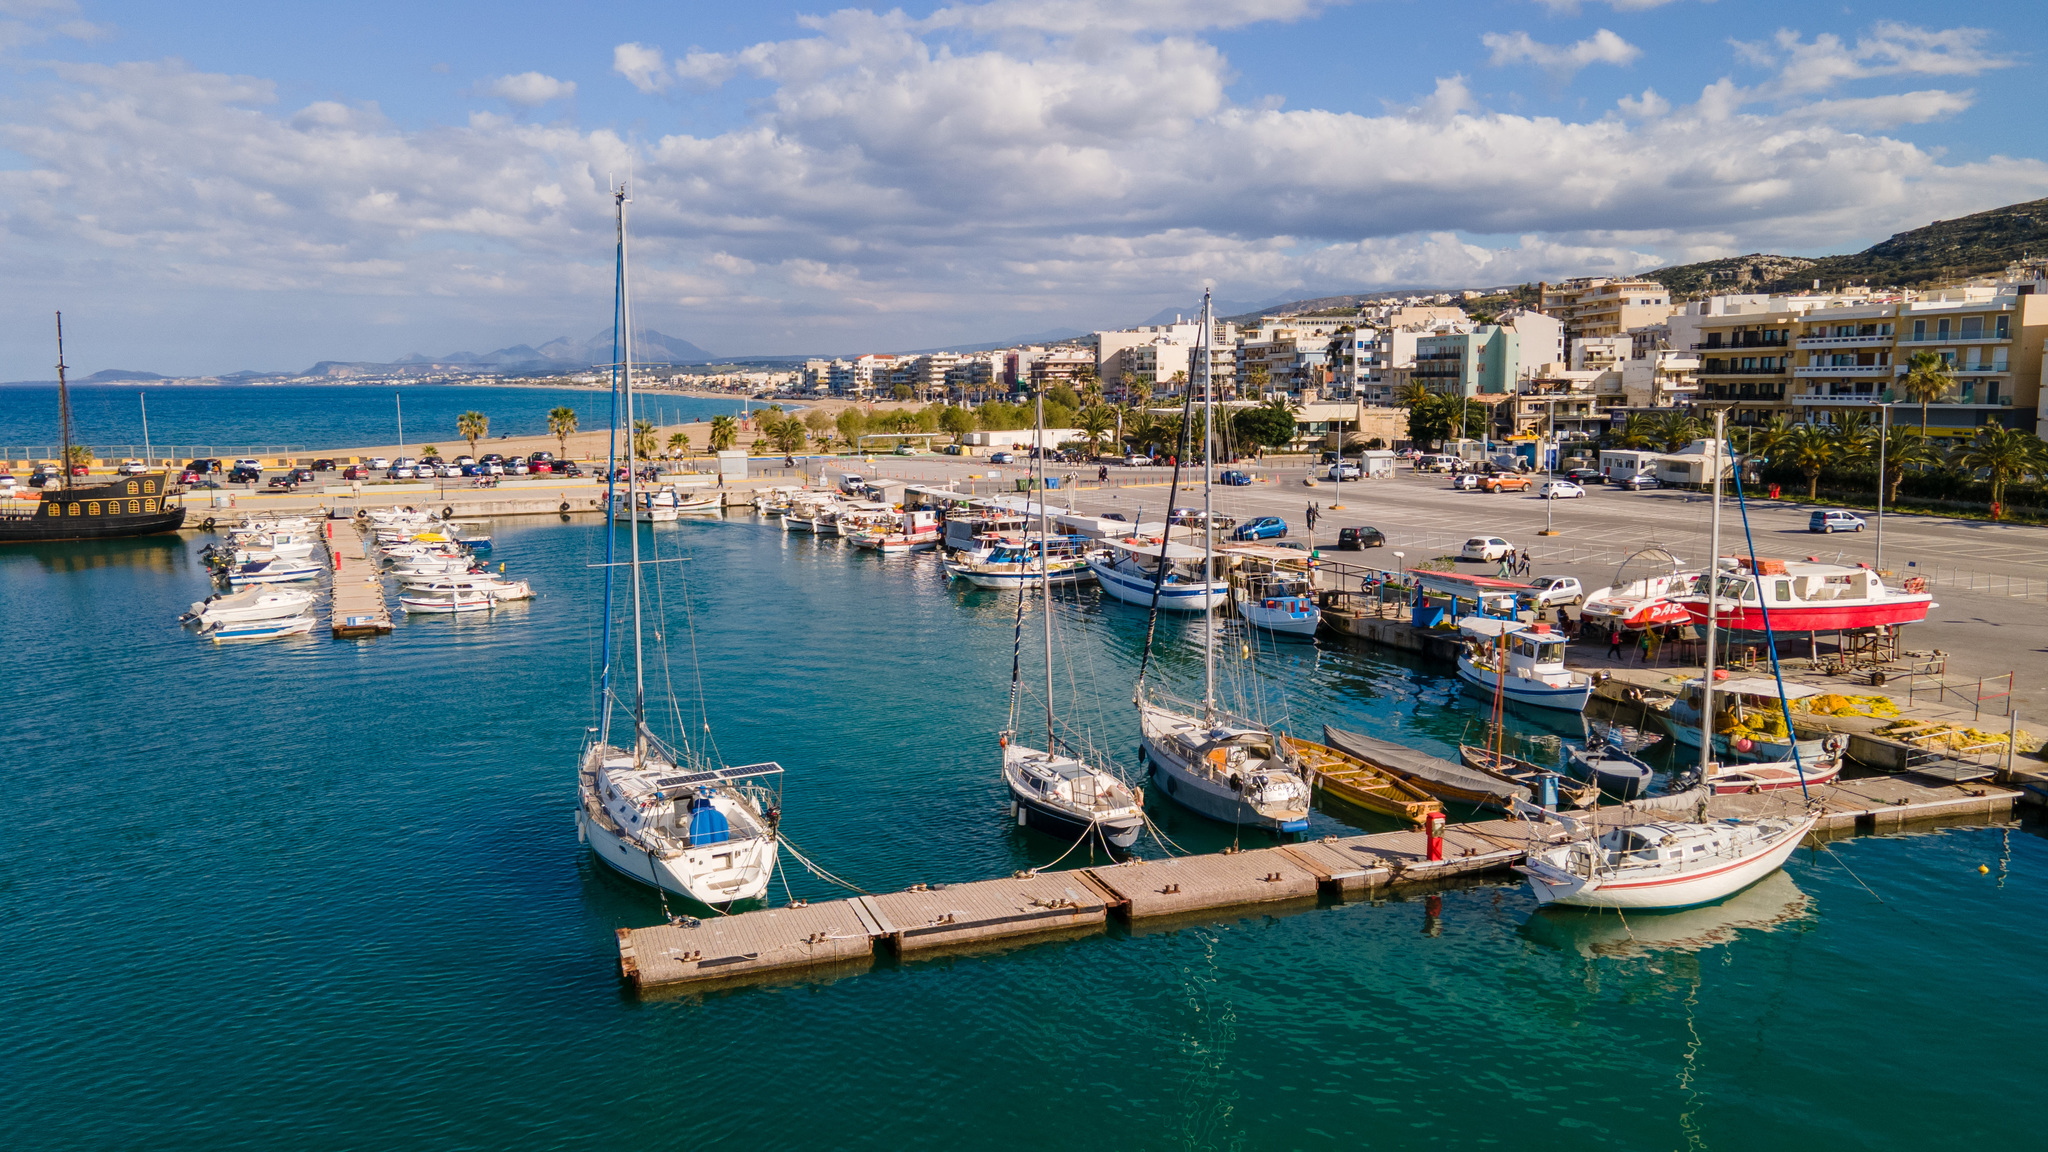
{"x":1614,"y":643}
{"x":1311,"y":515}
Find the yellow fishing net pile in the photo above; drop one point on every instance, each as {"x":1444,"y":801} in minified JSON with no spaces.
{"x":1759,"y":724}
{"x":1954,"y":736}
{"x":1836,"y":704}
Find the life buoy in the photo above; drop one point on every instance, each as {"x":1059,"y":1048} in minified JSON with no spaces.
{"x":447,"y":511}
{"x":1272,"y":603}
{"x":564,"y":507}
{"x":1835,"y":744}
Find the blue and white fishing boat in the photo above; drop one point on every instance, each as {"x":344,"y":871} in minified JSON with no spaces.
{"x":263,"y":629}
{"x":1128,"y":569}
{"x":1522,"y":662}
{"x":1014,"y":562}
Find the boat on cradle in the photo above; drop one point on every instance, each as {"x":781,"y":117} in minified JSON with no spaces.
{"x":1533,"y":777}
{"x":1449,"y":782}
{"x":1127,"y":569}
{"x":1279,"y":602}
{"x":478,"y":585}
{"x":274,"y":571}
{"x":1809,"y":597}
{"x":915,"y":530}
{"x":1014,"y":563}
{"x":1749,"y":722}
{"x":1641,"y":594}
{"x":1522,"y":662}
{"x":1661,"y":864}
{"x":263,"y":629}
{"x":1347,"y":778}
{"x":257,"y":602}
{"x":1225,"y":769}
{"x":1063,"y":796}
{"x":462,"y":602}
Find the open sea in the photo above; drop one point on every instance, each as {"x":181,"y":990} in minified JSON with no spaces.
{"x":327,"y":894}
{"x":217,"y":420}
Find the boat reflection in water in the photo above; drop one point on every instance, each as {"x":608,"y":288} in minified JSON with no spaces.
{"x":1592,"y":932}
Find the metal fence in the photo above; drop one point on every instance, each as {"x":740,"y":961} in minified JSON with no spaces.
{"x":178,"y":452}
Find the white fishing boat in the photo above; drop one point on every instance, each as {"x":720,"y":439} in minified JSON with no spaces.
{"x":669,"y":815}
{"x":1279,"y":602}
{"x":1226,"y":767}
{"x":647,"y":506}
{"x":451,"y":604}
{"x":1523,"y":662}
{"x":1662,"y":864}
{"x":473,"y":585}
{"x":1013,"y":562}
{"x":1809,"y":597}
{"x":262,"y":629}
{"x":1128,"y":569}
{"x":915,"y":530}
{"x":256,"y":602}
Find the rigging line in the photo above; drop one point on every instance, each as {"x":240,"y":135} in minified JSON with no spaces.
{"x":1187,"y":409}
{"x":697,"y":670}
{"x":817,"y":869}
{"x":1770,"y":642}
{"x":1829,"y":851}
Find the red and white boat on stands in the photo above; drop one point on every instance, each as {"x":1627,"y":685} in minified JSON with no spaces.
{"x":1808,"y":596}
{"x":1638,"y":599}
{"x":916,"y":531}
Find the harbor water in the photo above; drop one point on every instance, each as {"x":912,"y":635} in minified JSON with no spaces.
{"x":320,"y":893}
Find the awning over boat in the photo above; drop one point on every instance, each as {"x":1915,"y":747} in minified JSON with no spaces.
{"x":1491,"y":628}
{"x":1757,"y":686}
{"x":1141,"y":547}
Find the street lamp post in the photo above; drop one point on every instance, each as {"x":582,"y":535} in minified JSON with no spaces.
{"x":1884,"y":429}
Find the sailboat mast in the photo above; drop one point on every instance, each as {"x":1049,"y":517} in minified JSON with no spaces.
{"x":632,"y":474}
{"x":1713,"y":597}
{"x":1045,"y":561}
{"x":63,"y":404}
{"x":1208,"y":521}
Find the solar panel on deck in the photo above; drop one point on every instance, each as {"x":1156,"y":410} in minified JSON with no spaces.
{"x":765,"y":768}
{"x":680,"y":781}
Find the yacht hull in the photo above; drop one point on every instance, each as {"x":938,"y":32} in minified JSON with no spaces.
{"x":1206,"y":797}
{"x":1136,"y":588}
{"x":1038,"y":816}
{"x":630,"y":861}
{"x":1553,"y":885}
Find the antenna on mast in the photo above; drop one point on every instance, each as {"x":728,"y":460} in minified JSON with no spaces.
{"x":63,"y":403}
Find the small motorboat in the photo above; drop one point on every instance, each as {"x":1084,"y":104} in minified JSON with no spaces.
{"x":1279,"y":602}
{"x":274,"y":571}
{"x":1545,"y":787}
{"x":470,"y":585}
{"x":1662,"y":864}
{"x":1522,"y":662}
{"x":461,"y":602}
{"x":1734,"y":779}
{"x":262,"y":629}
{"x":257,"y":602}
{"x":1014,"y":563}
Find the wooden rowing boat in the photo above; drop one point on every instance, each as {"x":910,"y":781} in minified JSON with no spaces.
{"x":1355,"y":782}
{"x":1528,"y":774}
{"x":1434,"y":775}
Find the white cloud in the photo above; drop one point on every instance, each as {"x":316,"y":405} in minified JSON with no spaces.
{"x":530,"y":89}
{"x":1562,"y":61}
{"x":1888,"y":49}
{"x":900,"y":186}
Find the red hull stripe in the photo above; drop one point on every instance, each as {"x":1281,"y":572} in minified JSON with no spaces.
{"x":1817,"y":619}
{"x":1690,"y":876}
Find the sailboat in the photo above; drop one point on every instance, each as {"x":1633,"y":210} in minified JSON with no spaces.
{"x":666,"y":815}
{"x":1653,"y":864}
{"x":1225,"y":767}
{"x":1060,"y":795}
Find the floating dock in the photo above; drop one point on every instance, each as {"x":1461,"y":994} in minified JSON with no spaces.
{"x":847,"y":935}
{"x":357,"y":606}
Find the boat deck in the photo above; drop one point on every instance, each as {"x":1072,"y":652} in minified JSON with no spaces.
{"x":357,"y":606}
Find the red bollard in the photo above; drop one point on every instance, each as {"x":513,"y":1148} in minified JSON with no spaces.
{"x":1433,"y":828}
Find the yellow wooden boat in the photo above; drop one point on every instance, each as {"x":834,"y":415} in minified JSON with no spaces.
{"x":1355,"y":782}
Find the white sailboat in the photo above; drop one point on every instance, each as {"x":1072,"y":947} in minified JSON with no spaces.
{"x":667,"y":815}
{"x":1225,"y":767}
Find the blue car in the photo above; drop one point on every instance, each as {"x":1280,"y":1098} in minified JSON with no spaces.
{"x":1234,"y":478}
{"x":1263,"y":528}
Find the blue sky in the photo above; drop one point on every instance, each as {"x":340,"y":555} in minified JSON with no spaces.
{"x":207,"y":187}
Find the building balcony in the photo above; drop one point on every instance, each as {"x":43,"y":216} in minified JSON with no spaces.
{"x":1952,"y":337}
{"x":1743,"y":371}
{"x":1737,"y":345}
{"x":1863,"y":370}
{"x":1845,"y":342}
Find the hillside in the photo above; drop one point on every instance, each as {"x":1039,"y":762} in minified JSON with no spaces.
{"x":1943,"y":251}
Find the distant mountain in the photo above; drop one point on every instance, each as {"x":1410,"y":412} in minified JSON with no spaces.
{"x":116,"y":375}
{"x":1049,"y":336}
{"x":558,"y":355}
{"x":1224,"y":309}
{"x":1944,"y":251}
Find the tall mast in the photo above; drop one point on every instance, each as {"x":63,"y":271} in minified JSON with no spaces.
{"x":1045,"y":560}
{"x":632,"y":477}
{"x":1208,"y":524}
{"x":1713,"y":596}
{"x":63,"y":404}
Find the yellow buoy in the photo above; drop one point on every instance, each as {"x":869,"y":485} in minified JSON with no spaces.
{"x":1983,"y":868}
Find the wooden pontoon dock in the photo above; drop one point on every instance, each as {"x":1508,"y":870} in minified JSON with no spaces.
{"x":357,"y":607}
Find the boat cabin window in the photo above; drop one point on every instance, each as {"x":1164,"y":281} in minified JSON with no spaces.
{"x":1737,"y":588}
{"x":1781,"y":590}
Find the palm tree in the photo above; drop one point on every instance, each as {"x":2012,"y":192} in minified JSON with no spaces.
{"x":1764,"y":442}
{"x":561,"y":423}
{"x":473,"y":426}
{"x":1639,"y":432}
{"x":1096,"y":422}
{"x":724,"y":430}
{"x":1674,"y":430}
{"x":1904,"y":448}
{"x":678,"y":444}
{"x":2004,"y":455}
{"x":1412,"y":393}
{"x":1855,"y":437}
{"x":788,"y":436}
{"x":1810,"y":449}
{"x":1927,"y":378}
{"x":644,"y":433}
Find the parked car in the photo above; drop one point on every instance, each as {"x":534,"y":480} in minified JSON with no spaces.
{"x":1640,"y":481}
{"x":567,"y":468}
{"x":80,"y":470}
{"x":1553,"y":590}
{"x":7,"y":483}
{"x":355,"y":472}
{"x":852,"y":482}
{"x":1504,"y":482}
{"x":398,"y":472}
{"x":132,"y":468}
{"x":380,"y":462}
{"x":1484,"y":548}
{"x":1344,"y":472}
{"x":537,"y":457}
{"x":1263,"y":528}
{"x":1235,"y":478}
{"x":188,"y":476}
{"x":1354,"y":539}
{"x":1585,"y":476}
{"x":301,"y":476}
{"x":282,"y":482}
{"x":1002,"y":457}
{"x":1465,"y":482}
{"x":542,"y":467}
{"x":241,"y":474}
{"x":1836,"y":521}
{"x":516,"y":467}
{"x":1134,"y":460}
{"x":905,"y":450}
{"x":449,"y":470}
{"x":323,"y":465}
{"x":1118,"y":516}
{"x":1192,"y":518}
{"x":204,"y":465}
{"x":1560,"y":490}
{"x":465,"y":459}
{"x":493,"y":458}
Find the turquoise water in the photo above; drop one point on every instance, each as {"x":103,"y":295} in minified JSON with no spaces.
{"x":307,"y":416}
{"x":329,"y":894}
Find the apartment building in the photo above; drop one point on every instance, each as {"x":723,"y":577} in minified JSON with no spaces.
{"x":1746,"y":362}
{"x":1599,"y":306}
{"x":1483,"y":361}
{"x":1070,"y":366}
{"x":1660,"y":378}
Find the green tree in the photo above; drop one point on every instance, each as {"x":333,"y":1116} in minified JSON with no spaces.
{"x":644,"y":433}
{"x":1769,"y":439}
{"x":1855,"y":437}
{"x":1411,"y":394}
{"x":1809,"y":449}
{"x":1639,"y":432}
{"x":1270,"y":425}
{"x":819,"y":422}
{"x":1096,"y":422}
{"x":429,"y":452}
{"x":2003,"y":455}
{"x":788,"y":436}
{"x":1675,"y":430}
{"x":1064,"y":396}
{"x":1431,"y":419}
{"x":724,"y":430}
{"x":852,"y":426}
{"x":1927,"y":378}
{"x":561,"y":425}
{"x":678,"y":443}
{"x":958,"y":421}
{"x":902,"y":391}
{"x":1905,"y":448}
{"x":1257,"y":379}
{"x":472,"y":426}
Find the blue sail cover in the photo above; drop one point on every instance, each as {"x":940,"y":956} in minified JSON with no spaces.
{"x":707,"y":825}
